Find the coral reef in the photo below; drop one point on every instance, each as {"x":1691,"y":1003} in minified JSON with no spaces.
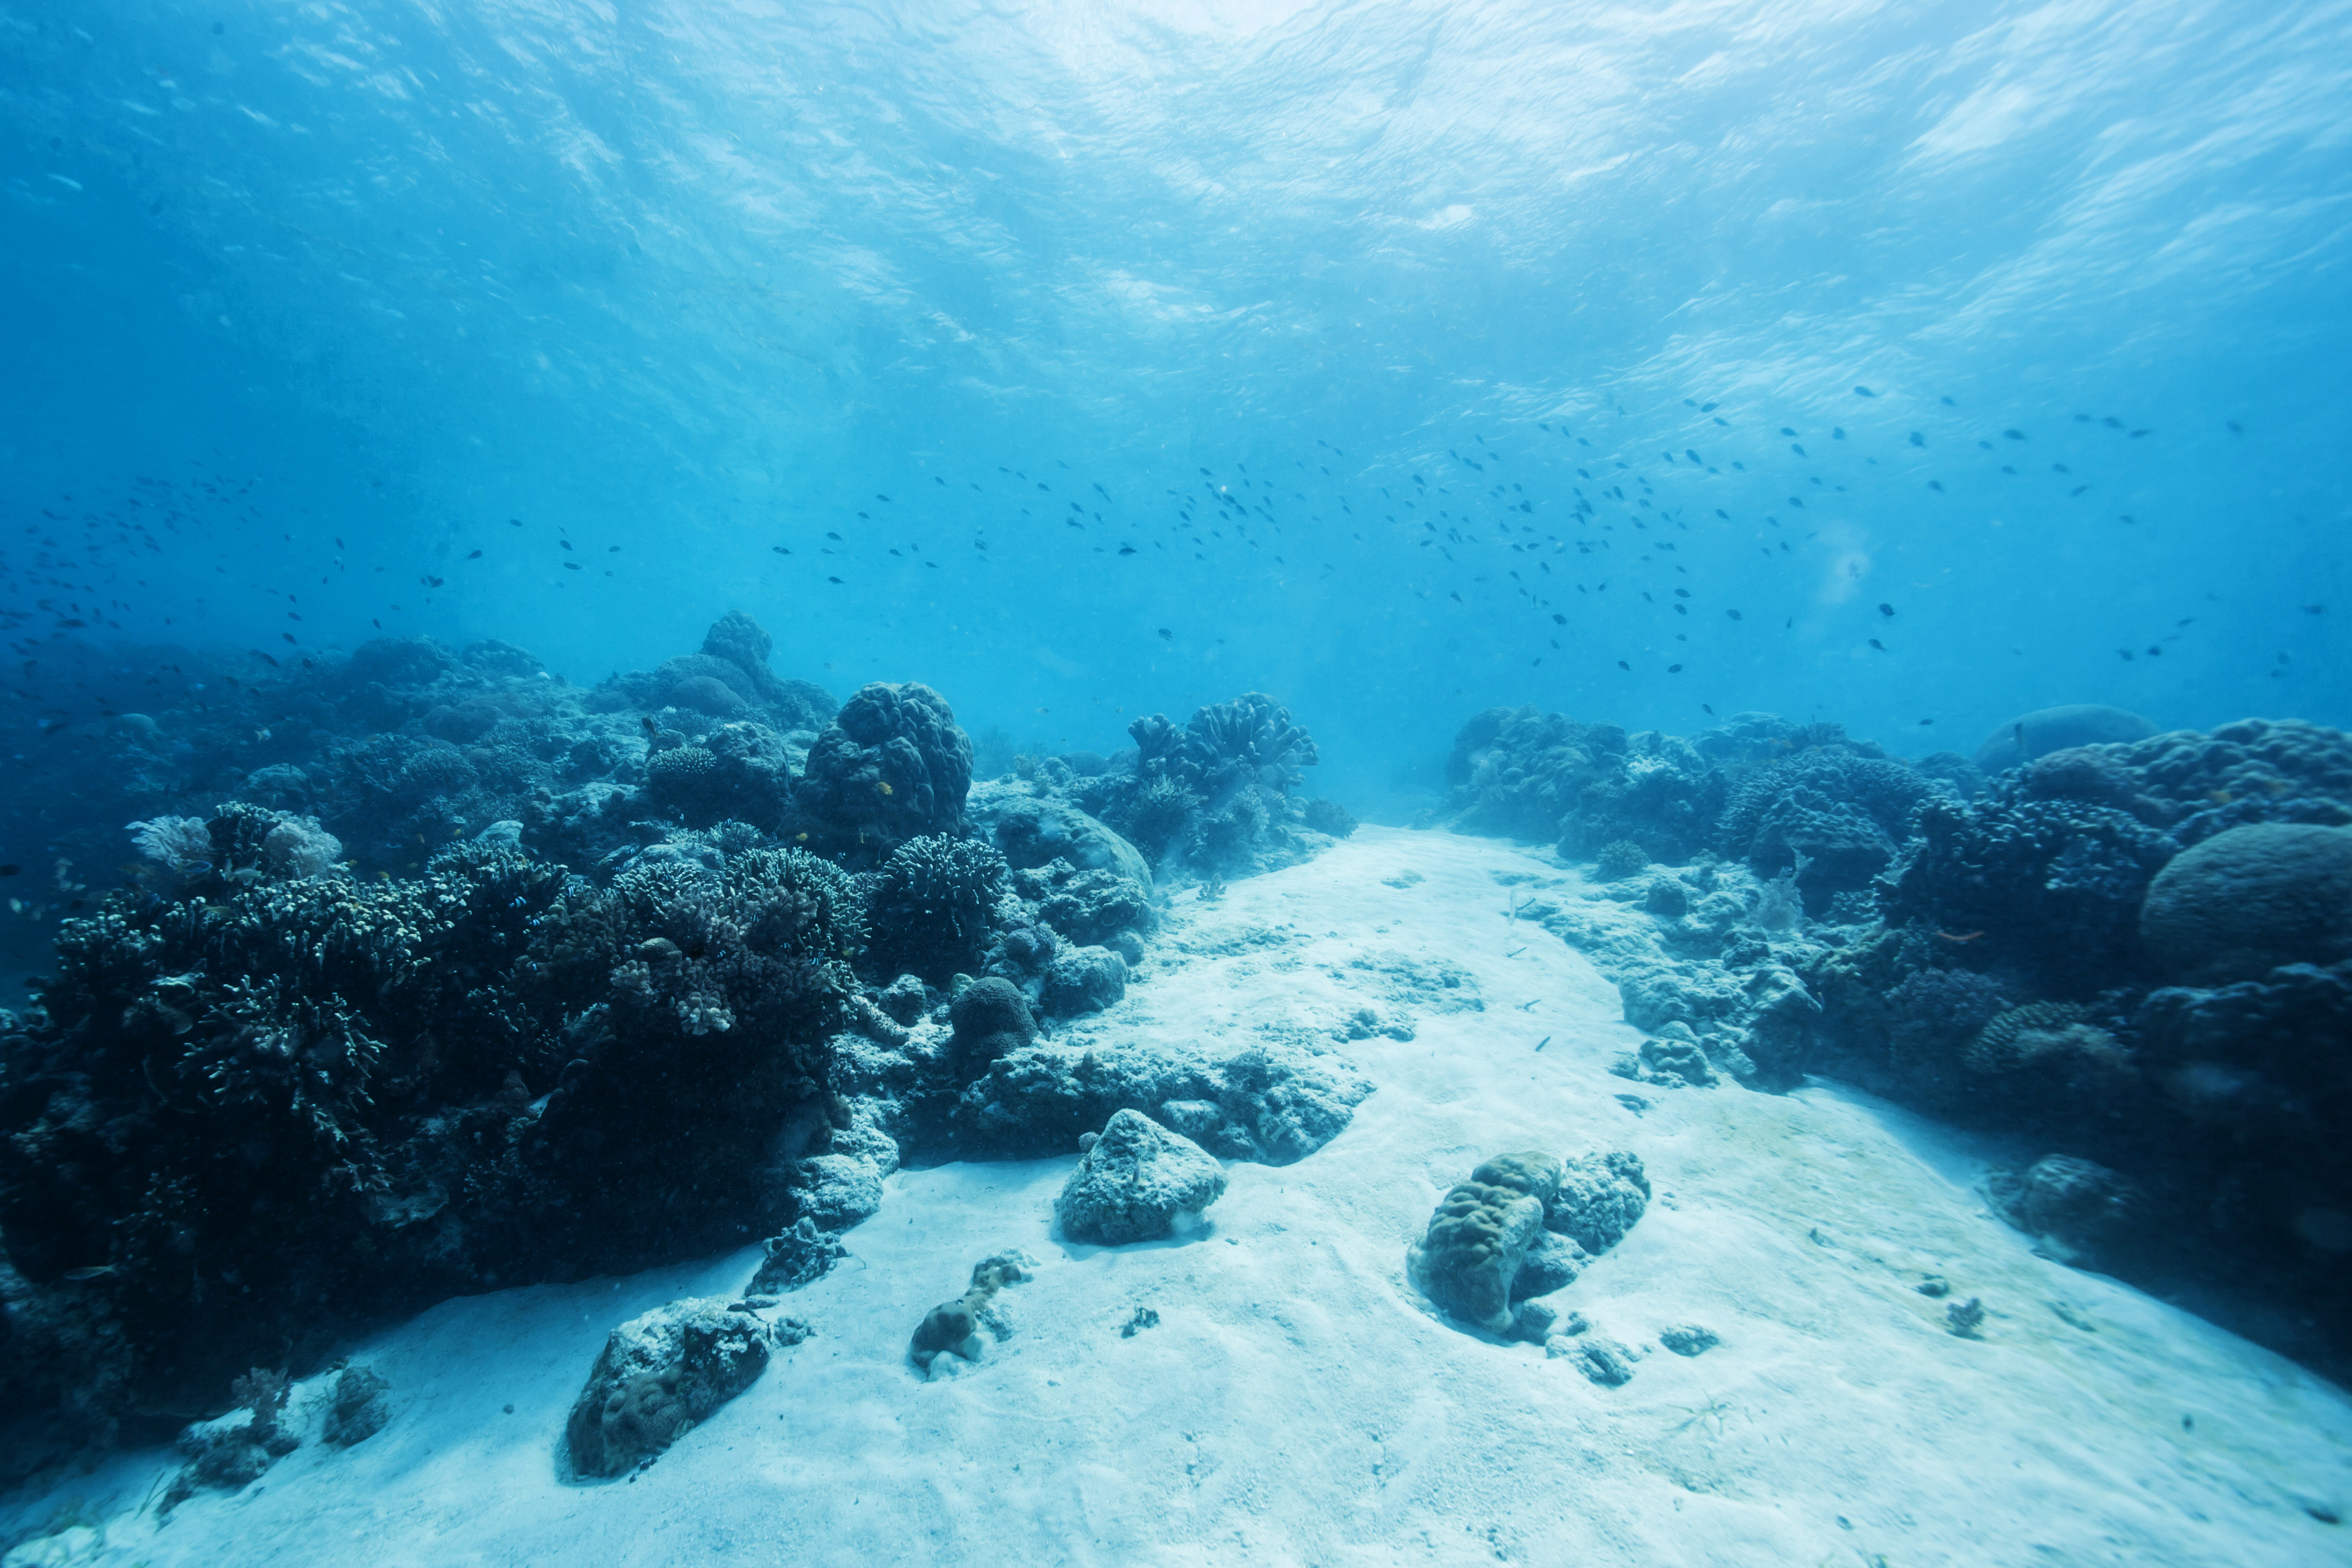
{"x":1270,"y":1104}
{"x":1083,"y":980}
{"x":358,"y":1406}
{"x":1524,"y":1226}
{"x":487,"y":1075}
{"x":1832,"y":818}
{"x":1543,"y":776}
{"x":991,"y":1021}
{"x":229,"y":1454}
{"x":2049,"y":890}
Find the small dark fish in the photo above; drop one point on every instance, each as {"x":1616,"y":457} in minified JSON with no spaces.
{"x":649,"y":723}
{"x":1127,"y":550}
{"x":1926,"y":721}
{"x":1863,"y":391}
{"x":1622,"y":665}
{"x":2313,"y":609}
{"x":475,"y":555}
{"x":1917,"y":439}
{"x":1936,"y":485}
{"x":834,"y":537}
{"x":2235,"y":428}
{"x":2014,"y":434}
{"x":834,"y":580}
{"x":1879,"y":646}
{"x":11,"y":871}
{"x":880,"y":495}
{"x":1673,"y":669}
{"x":1886,"y":609}
{"x":1733,"y":614}
{"x":1166,"y":636}
{"x":1706,"y":709}
{"x":780,"y":549}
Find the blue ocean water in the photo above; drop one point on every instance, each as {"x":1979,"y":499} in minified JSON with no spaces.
{"x":1675,"y":438}
{"x":1423,"y":287}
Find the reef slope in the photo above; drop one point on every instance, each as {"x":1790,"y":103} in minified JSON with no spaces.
{"x":1298,"y":1401}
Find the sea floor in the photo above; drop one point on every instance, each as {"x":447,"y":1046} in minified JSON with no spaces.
{"x":1298,"y":1401}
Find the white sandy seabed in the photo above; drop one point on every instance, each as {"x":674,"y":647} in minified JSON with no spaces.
{"x":1298,"y":1401}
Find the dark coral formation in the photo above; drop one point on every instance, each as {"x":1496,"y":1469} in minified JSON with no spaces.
{"x":255,"y":1113}
{"x":1530,"y":774}
{"x":1214,"y":797}
{"x":2133,"y":954}
{"x":893,"y":765}
{"x":2249,"y":900}
{"x":1833,"y":819}
{"x":442,"y":975}
{"x":935,"y":903}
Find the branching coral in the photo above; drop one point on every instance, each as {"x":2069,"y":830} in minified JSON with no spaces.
{"x":933,"y":904}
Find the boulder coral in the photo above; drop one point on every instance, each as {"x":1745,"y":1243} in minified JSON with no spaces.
{"x":892,"y":765}
{"x":2249,"y":900}
{"x":1137,"y":1181}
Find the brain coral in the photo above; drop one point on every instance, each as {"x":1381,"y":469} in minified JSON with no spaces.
{"x":2250,"y":898}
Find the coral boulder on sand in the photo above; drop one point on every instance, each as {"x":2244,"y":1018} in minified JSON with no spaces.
{"x":1138,"y":1183}
{"x":662,"y":1374}
{"x":952,"y":1328}
{"x":1480,"y":1236}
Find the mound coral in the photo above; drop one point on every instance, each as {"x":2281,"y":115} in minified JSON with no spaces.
{"x":2250,"y":898}
{"x":1479,"y":1238}
{"x":892,"y":765}
{"x":1833,"y":818}
{"x":2047,"y":730}
{"x":1137,"y":1181}
{"x":1526,"y":773}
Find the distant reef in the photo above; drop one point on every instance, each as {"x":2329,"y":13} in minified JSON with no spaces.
{"x":2130,"y":952}
{"x":433,"y":973}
